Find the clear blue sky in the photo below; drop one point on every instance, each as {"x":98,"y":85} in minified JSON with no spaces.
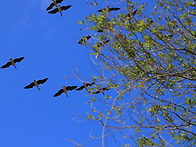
{"x":33,"y":118}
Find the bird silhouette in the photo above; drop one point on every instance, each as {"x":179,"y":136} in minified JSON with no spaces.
{"x":101,"y":90}
{"x":131,"y":14}
{"x":12,"y":62}
{"x":59,"y":9}
{"x":54,"y":3}
{"x":100,"y":30}
{"x":65,"y":89}
{"x":102,"y":43}
{"x":36,"y":83}
{"x":83,"y":39}
{"x":107,"y":9}
{"x":85,"y":86}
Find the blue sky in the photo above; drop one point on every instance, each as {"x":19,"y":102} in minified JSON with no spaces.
{"x":32,"y":118}
{"x":49,"y":44}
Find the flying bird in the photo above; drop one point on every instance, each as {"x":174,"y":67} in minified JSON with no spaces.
{"x":100,"y":30}
{"x":101,"y":90}
{"x":12,"y":62}
{"x":59,"y":9}
{"x":36,"y":83}
{"x":65,"y":89}
{"x":131,"y":14}
{"x":85,"y":85}
{"x":107,"y":9}
{"x":83,"y":39}
{"x":102,"y":43}
{"x":54,"y":3}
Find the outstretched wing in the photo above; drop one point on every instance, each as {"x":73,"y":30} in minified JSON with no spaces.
{"x":6,"y":65}
{"x":134,"y":12}
{"x":53,"y":11}
{"x":106,"y":41}
{"x":42,"y":81}
{"x":80,"y":88}
{"x":83,"y":39}
{"x":90,"y":84}
{"x":71,"y":87}
{"x":105,"y":88}
{"x":50,"y":7}
{"x":58,"y":1}
{"x":131,"y":14}
{"x":100,"y":30}
{"x":102,"y":43}
{"x":96,"y":92}
{"x":65,"y":7}
{"x":18,"y":59}
{"x":29,"y":86}
{"x":88,"y":37}
{"x":101,"y":10}
{"x":59,"y":93}
{"x":114,"y":9}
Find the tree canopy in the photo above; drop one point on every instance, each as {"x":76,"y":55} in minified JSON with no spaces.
{"x":148,"y":58}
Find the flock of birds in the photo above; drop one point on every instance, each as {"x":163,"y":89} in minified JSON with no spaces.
{"x":64,"y":88}
{"x":61,"y":8}
{"x":83,"y":39}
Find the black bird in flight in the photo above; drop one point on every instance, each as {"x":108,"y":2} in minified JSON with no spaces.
{"x":101,"y":90}
{"x":100,"y":30}
{"x":59,"y":9}
{"x":83,"y":39}
{"x":131,"y":14}
{"x":54,"y":3}
{"x":102,"y":43}
{"x":12,"y":62}
{"x":65,"y":89}
{"x":85,"y":85}
{"x":36,"y":83}
{"x":107,"y":9}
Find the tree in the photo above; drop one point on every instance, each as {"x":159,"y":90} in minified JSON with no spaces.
{"x":149,"y":60}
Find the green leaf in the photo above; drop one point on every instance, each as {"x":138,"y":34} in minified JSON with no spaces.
{"x":80,"y":22}
{"x":190,"y":3}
